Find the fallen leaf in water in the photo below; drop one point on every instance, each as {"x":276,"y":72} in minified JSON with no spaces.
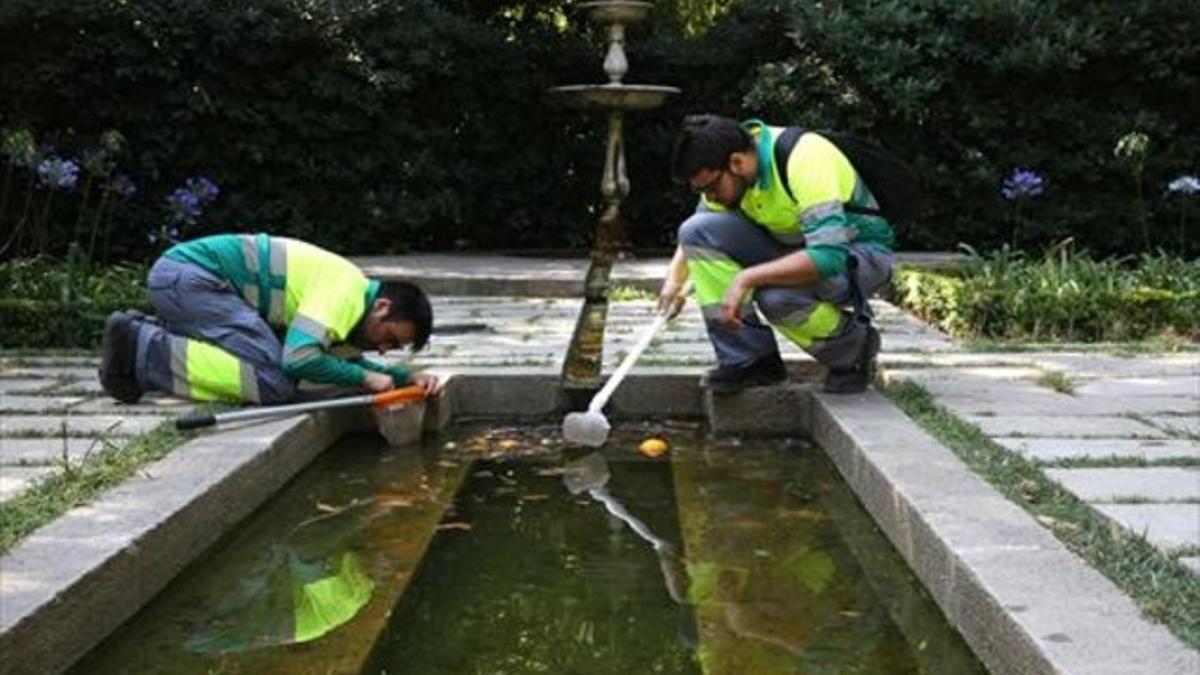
{"x":533,"y":498}
{"x":509,"y":444}
{"x":394,"y":501}
{"x":455,"y":526}
{"x":447,"y":464}
{"x":553,"y":471}
{"x":327,"y":508}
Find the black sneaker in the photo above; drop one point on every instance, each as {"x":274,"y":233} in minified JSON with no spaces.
{"x":854,"y":380}
{"x":118,"y":349}
{"x":762,"y":372}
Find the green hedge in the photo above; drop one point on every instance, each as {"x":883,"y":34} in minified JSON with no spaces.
{"x":972,"y":89}
{"x":1058,"y":298}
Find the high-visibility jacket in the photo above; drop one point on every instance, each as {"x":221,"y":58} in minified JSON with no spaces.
{"x":318,"y":298}
{"x":823,"y":182}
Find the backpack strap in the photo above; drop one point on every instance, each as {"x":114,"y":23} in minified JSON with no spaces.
{"x":783,"y":149}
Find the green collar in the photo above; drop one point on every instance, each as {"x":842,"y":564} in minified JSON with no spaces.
{"x":765,"y":157}
{"x":372,"y":293}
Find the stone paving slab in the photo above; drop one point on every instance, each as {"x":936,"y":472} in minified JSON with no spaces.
{"x":1178,"y":424}
{"x":149,"y":405}
{"x":18,"y":451}
{"x":1167,"y":526}
{"x":1153,"y":484}
{"x":22,"y":385}
{"x":17,"y":479}
{"x":1053,"y":449}
{"x":1132,"y":387}
{"x":88,"y":387}
{"x":77,"y":425}
{"x":1073,"y":427}
{"x":42,"y":404}
{"x":1020,"y":401}
{"x":1108,"y":366}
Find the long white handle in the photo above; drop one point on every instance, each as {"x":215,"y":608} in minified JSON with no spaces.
{"x":601,"y":397}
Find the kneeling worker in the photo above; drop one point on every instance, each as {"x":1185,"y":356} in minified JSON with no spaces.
{"x":221,"y":303}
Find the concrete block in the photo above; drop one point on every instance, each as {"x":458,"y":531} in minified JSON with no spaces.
{"x":1167,"y":526}
{"x":1155,"y":484}
{"x":781,"y":410}
{"x":667,"y":393}
{"x":507,"y":395}
{"x":1052,"y":449}
{"x":1072,"y":426}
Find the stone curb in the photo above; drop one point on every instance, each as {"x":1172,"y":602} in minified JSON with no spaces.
{"x":74,"y":581}
{"x":1021,"y":599}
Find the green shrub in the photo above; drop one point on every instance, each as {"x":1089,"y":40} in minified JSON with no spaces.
{"x":1060,"y":297}
{"x":57,"y":304}
{"x":969,"y":90}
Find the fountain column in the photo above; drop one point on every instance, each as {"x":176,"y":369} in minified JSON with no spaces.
{"x":584,"y":356}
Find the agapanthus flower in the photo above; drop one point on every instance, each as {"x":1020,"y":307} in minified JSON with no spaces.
{"x":1188,"y":185}
{"x":204,"y":189}
{"x":58,"y":174}
{"x":1023,"y":184}
{"x":183,"y":206}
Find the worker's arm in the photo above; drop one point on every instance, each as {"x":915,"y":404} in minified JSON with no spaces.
{"x":793,"y":269}
{"x":325,"y":315}
{"x":399,"y":372}
{"x":669,"y":298}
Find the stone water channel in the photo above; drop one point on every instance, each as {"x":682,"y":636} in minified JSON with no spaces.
{"x":496,"y":548}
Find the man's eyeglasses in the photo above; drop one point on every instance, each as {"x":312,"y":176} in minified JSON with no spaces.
{"x":709,"y":187}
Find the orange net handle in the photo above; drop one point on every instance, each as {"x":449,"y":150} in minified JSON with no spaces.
{"x":410,"y":394}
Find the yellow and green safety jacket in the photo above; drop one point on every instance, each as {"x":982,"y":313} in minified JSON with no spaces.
{"x":319,"y":298}
{"x":823,"y":182}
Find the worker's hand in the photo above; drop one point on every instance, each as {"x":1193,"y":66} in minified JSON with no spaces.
{"x":378,"y":382}
{"x":430,"y":383}
{"x":670,"y":300}
{"x":732,"y":302}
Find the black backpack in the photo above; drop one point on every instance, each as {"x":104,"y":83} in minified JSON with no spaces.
{"x":893,"y":183}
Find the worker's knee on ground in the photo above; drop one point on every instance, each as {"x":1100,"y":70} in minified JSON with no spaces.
{"x":276,"y":387}
{"x":697,"y":229}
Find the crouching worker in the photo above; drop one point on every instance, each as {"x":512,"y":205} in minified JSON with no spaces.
{"x":794,"y":231}
{"x":221,"y":303}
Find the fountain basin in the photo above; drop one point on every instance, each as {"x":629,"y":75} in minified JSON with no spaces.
{"x":616,"y":11}
{"x":603,"y":97}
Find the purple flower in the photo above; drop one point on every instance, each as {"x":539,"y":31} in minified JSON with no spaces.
{"x":1023,"y":184}
{"x":58,"y":174}
{"x":204,"y":189}
{"x":183,"y":206}
{"x":1188,"y":185}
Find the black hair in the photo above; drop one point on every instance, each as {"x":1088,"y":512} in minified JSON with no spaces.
{"x":409,"y":303}
{"x":706,"y":142}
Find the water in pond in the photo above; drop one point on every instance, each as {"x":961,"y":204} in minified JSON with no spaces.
{"x":499,"y":550}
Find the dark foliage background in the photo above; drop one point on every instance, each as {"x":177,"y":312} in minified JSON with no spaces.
{"x":374,"y":127}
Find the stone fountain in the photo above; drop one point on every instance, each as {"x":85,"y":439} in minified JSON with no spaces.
{"x":584,"y":356}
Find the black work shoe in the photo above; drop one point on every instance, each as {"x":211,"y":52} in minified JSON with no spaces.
{"x":854,"y":380}
{"x":118,"y":350}
{"x":762,"y":372}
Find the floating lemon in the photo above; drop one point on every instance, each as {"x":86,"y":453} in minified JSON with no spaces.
{"x":653,"y":447}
